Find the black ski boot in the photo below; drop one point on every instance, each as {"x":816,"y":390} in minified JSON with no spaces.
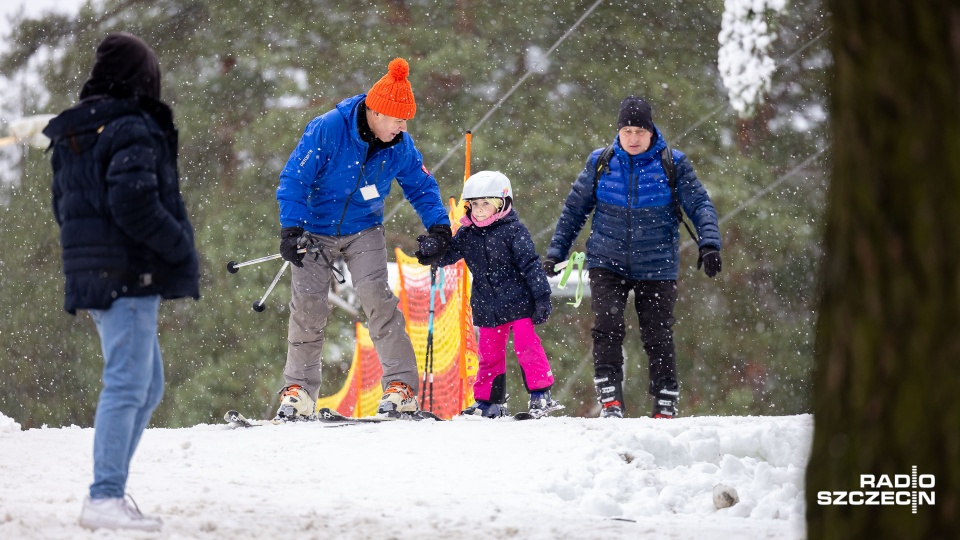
{"x":665,"y":399}
{"x":609,"y":384}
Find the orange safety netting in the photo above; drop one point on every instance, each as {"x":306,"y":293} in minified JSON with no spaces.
{"x":448,"y":387}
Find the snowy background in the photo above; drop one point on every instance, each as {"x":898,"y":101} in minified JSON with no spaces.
{"x":577,"y":478}
{"x":33,"y":8}
{"x":24,"y":87}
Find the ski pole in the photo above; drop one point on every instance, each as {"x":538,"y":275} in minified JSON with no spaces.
{"x":258,"y":305}
{"x":428,"y":354}
{"x":233,"y":266}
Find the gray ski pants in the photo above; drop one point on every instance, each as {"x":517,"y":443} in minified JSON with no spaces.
{"x":366,"y":256}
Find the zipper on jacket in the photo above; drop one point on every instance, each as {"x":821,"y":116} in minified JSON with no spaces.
{"x":486,"y":277}
{"x":630,"y":191}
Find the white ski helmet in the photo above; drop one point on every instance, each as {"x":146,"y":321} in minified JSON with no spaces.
{"x":487,"y":184}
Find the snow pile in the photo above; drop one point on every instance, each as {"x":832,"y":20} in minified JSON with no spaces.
{"x":8,"y":425}
{"x":745,"y":39}
{"x":577,"y":478}
{"x":673,"y":469}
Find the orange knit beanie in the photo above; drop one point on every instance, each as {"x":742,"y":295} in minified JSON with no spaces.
{"x":392,"y":94}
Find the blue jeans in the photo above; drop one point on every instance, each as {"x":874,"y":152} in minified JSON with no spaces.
{"x":132,"y":388}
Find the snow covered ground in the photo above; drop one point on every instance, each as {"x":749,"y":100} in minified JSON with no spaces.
{"x":571,"y":478}
{"x":576,"y":478}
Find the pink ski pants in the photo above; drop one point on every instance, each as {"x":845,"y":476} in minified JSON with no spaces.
{"x":493,"y":358}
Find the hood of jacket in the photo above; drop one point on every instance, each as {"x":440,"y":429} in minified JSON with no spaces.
{"x":125,"y":66}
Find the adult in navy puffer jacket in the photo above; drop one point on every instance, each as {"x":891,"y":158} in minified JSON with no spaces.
{"x":116,"y":196}
{"x":634,"y":244}
{"x":127,"y":244}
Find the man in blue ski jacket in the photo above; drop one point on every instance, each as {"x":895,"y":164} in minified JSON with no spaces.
{"x":331,"y":197}
{"x":634,"y":245}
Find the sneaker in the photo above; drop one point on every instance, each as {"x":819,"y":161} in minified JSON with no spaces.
{"x":611,"y":409}
{"x":665,"y":402}
{"x":116,"y":513}
{"x":542,"y":403}
{"x":295,"y":403}
{"x":486,"y":410}
{"x":398,"y":398}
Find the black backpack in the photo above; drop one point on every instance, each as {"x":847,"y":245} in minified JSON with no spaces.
{"x":666,"y":159}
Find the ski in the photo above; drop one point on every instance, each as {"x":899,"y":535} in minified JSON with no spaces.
{"x":326,"y":415}
{"x":237,"y":420}
{"x":537,"y":413}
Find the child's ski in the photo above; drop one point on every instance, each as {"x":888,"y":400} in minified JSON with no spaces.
{"x":536,"y":413}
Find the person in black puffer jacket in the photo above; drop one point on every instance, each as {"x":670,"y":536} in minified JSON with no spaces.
{"x":509,"y":292}
{"x":127,"y":243}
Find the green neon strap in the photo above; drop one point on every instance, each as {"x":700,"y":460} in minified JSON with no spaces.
{"x":576,"y":259}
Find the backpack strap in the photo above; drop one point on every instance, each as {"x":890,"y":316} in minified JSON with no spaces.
{"x":669,"y":167}
{"x":603,"y":163}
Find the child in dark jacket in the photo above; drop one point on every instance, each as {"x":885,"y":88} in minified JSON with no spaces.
{"x":510,"y":292}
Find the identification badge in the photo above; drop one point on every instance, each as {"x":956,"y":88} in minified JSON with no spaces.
{"x":369,"y":192}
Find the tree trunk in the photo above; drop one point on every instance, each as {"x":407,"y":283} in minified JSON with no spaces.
{"x":465,"y":17}
{"x":398,"y":12}
{"x":888,"y":332}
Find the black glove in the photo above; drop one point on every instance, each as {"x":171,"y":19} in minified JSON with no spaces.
{"x":433,"y":245}
{"x":710,"y":261}
{"x":548,"y":266}
{"x":541,"y":311}
{"x":289,"y":237}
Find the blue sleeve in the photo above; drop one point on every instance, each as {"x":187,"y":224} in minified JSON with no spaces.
{"x":696,"y":202}
{"x":298,"y":177}
{"x":580,"y":202}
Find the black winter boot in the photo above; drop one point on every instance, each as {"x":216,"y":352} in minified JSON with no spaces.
{"x":609,"y":384}
{"x":666,"y":398}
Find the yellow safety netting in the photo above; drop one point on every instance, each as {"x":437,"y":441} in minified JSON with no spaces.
{"x":446,"y":388}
